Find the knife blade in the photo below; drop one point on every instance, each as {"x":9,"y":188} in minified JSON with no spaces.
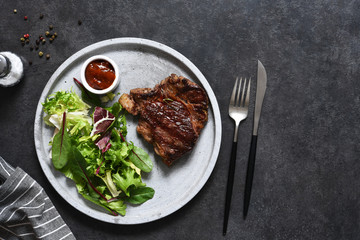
{"x":260,"y":93}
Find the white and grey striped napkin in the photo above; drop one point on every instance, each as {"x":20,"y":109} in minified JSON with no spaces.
{"x":26,"y":212}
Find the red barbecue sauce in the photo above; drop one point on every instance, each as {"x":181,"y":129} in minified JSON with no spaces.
{"x":99,"y":74}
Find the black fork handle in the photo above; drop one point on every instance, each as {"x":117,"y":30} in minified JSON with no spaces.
{"x":230,"y":184}
{"x":249,"y":174}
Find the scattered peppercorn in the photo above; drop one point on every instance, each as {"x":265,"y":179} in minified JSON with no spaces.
{"x":25,"y":39}
{"x":79,"y":22}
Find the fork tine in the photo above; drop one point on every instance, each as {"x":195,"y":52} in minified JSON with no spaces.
{"x":238,"y":93}
{"x":247,"y":94}
{"x":243,"y":94}
{"x":232,"y":99}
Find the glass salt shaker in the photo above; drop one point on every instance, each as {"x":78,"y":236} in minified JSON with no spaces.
{"x":11,"y":69}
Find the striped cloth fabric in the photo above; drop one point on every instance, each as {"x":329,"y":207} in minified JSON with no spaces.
{"x":26,"y":212}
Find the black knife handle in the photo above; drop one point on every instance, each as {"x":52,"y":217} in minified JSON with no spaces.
{"x":249,"y":174}
{"x":230,"y":184}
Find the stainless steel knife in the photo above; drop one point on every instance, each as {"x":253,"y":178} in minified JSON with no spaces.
{"x":260,"y":93}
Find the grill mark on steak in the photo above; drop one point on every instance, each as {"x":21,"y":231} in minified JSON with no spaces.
{"x":172,"y":115}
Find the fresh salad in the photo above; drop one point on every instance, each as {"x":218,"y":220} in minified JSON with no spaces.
{"x":89,"y":146}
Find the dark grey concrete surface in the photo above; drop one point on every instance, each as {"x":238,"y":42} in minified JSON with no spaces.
{"x":307,"y":181}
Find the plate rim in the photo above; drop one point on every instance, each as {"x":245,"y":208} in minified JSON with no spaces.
{"x":163,"y":48}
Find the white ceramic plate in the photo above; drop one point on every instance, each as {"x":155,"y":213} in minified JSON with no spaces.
{"x":142,"y":63}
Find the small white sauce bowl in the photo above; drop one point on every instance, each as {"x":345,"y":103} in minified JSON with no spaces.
{"x":102,"y":91}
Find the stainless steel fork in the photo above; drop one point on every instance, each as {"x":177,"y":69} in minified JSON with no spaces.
{"x":238,"y":110}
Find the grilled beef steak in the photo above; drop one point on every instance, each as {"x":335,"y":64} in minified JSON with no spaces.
{"x":172,"y":115}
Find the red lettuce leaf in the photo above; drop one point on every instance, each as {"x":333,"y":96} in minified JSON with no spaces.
{"x":103,"y":119}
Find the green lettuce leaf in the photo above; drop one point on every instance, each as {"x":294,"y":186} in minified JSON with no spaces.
{"x":140,"y":195}
{"x":128,"y":177}
{"x":141,"y":159}
{"x":62,"y":101}
{"x":61,"y":146}
{"x":106,"y":178}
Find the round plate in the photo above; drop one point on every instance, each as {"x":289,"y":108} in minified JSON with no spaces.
{"x":142,"y":63}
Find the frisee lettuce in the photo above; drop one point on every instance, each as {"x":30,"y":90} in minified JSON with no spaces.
{"x":108,"y":177}
{"x":78,"y":119}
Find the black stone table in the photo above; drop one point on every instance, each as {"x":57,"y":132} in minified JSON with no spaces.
{"x":307,"y":181}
